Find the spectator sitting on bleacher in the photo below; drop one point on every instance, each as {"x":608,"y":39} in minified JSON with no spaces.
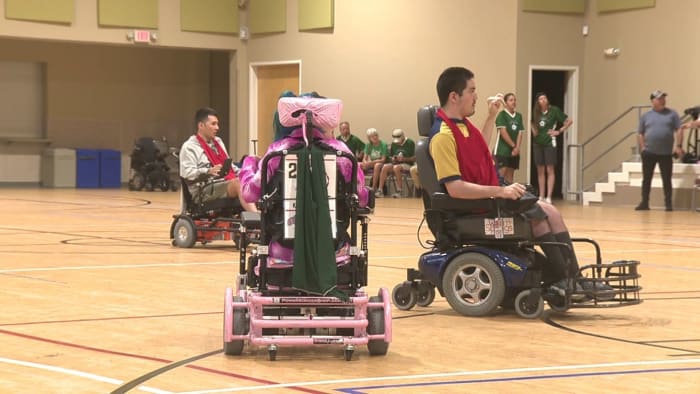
{"x":403,"y":155}
{"x":376,"y":153}
{"x":356,"y":146}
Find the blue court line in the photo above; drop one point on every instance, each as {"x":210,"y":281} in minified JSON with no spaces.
{"x":356,"y":390}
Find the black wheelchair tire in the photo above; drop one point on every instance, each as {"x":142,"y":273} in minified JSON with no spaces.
{"x":487,"y":272}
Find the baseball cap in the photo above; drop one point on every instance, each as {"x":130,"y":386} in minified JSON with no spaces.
{"x":657,"y":94}
{"x":397,"y":135}
{"x":372,"y":131}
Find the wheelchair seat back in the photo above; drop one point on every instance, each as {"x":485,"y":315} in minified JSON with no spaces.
{"x":454,"y":221}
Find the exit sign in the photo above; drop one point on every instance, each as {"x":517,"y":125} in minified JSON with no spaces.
{"x":142,"y":36}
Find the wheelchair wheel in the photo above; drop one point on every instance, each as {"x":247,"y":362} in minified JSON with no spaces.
{"x":375,"y":325}
{"x":240,"y":327}
{"x":525,"y":308}
{"x":164,"y":184}
{"x":137,"y":182}
{"x":184,"y":233}
{"x":404,"y":296}
{"x":473,"y":284}
{"x":425,"y":294}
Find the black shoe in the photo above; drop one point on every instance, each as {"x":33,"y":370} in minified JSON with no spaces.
{"x":601,"y":291}
{"x":642,"y":207}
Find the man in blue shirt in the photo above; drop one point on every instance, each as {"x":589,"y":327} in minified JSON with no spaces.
{"x":660,"y":136}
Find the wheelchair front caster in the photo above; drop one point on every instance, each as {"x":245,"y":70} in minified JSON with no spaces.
{"x":425,"y":293}
{"x":272,"y":352}
{"x":404,"y":296}
{"x":349,"y":350}
{"x":529,"y":305}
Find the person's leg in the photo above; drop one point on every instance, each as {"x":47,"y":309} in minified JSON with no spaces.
{"x":386,"y":169}
{"x":399,"y":179}
{"x":375,"y":179}
{"x":551,"y":175}
{"x":666,"y":169}
{"x":557,"y":266}
{"x":508,"y":174}
{"x":234,"y":191}
{"x":415,"y":177}
{"x":648,"y":164}
{"x":541,"y":181}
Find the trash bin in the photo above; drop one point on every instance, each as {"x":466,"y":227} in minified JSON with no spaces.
{"x":110,"y":168}
{"x":58,"y":167}
{"x":87,"y":168}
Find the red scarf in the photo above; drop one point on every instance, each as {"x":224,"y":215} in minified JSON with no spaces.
{"x":216,"y":158}
{"x":475,"y":161}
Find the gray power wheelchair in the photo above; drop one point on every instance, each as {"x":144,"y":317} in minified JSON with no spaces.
{"x":486,"y":261}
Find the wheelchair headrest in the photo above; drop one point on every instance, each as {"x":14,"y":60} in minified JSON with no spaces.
{"x":326,"y":112}
{"x":426,"y":118}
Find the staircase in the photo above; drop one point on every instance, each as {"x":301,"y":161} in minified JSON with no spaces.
{"x":624,"y":187}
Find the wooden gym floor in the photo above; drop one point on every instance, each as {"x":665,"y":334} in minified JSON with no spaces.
{"x":93,"y":296}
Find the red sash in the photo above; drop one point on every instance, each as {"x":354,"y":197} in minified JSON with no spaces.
{"x":475,"y":161}
{"x":216,"y":158}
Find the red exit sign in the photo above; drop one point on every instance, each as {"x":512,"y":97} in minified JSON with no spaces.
{"x":142,"y":36}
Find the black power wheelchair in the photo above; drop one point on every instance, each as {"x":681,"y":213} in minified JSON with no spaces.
{"x":150,"y":168}
{"x":206,"y":221}
{"x":484,"y":261}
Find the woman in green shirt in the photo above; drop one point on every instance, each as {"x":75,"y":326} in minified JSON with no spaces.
{"x":545,"y":119}
{"x":376,"y":153}
{"x":509,"y":124}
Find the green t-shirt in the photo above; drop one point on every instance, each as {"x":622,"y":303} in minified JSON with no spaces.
{"x":353,"y":143}
{"x":549,"y":120}
{"x":375,"y":152}
{"x":408,"y":149}
{"x":514,"y":126}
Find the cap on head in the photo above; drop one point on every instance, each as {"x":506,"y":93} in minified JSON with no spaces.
{"x":397,"y":135}
{"x":657,"y":94}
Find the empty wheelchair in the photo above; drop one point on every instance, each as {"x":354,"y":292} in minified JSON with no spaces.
{"x":150,"y":167}
{"x":302,"y":283}
{"x":481,"y":262}
{"x":207,"y":221}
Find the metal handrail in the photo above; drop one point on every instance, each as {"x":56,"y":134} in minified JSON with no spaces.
{"x":581,"y":166}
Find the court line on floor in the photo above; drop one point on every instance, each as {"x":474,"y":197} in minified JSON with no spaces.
{"x":151,"y":265}
{"x":360,"y":390}
{"x":148,"y":358}
{"x":74,"y":372}
{"x":117,"y":266}
{"x":447,"y":375}
{"x":99,"y":319}
{"x":547,"y":319}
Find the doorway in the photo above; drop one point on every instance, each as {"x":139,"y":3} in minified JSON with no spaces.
{"x":267,"y":82}
{"x":561,"y":86}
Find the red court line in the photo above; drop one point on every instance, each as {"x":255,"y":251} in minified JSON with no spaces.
{"x":108,"y":318}
{"x":149,"y":358}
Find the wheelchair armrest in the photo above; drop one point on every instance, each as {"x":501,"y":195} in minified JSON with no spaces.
{"x":366,"y":211}
{"x":443,"y":201}
{"x":250,"y":219}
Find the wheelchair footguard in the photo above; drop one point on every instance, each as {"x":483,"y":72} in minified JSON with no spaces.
{"x":275,"y":321}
